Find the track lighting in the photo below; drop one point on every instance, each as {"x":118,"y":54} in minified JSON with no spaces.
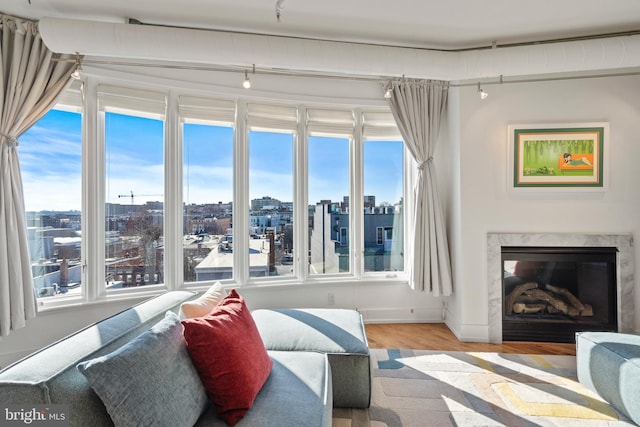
{"x":246,"y":83}
{"x":387,"y":92}
{"x":482,"y":93}
{"x":279,"y":7}
{"x":76,"y":72}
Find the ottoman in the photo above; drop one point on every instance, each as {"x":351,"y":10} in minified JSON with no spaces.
{"x":339,"y":333}
{"x":609,"y":364}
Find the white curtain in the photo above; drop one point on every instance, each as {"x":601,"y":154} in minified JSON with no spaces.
{"x":30,"y":81}
{"x":418,"y":107}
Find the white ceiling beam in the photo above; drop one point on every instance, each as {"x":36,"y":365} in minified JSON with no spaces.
{"x":157,"y":43}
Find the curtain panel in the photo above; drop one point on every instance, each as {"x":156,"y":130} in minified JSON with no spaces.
{"x":418,"y":107}
{"x":30,"y":82}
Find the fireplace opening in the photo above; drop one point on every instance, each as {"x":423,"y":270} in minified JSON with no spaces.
{"x":550,"y":293}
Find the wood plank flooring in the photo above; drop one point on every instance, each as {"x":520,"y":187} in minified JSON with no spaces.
{"x":437,"y":336}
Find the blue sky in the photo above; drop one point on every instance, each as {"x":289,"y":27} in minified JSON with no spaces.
{"x":50,"y":162}
{"x":50,"y":158}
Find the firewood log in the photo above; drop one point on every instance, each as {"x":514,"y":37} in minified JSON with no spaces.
{"x":571,"y":311}
{"x":519,"y":290}
{"x":567,"y":294}
{"x":587,"y":310}
{"x":546,"y":296}
{"x":522,"y":308}
{"x":552,"y":310}
{"x":527,"y":299}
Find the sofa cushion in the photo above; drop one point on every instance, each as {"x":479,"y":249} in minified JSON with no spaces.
{"x":298,"y":392}
{"x":230,"y":357}
{"x":203,"y":305}
{"x":338,"y":332}
{"x":150,"y":381}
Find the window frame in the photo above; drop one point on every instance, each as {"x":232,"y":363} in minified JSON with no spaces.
{"x":133,"y":102}
{"x":93,"y":180}
{"x":208,"y":112}
{"x":71,"y":100}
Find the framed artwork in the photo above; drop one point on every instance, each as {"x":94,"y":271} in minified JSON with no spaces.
{"x":568,"y":156}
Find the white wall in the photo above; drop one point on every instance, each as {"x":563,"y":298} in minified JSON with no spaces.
{"x":487,"y":206}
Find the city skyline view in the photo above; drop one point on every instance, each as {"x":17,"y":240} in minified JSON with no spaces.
{"x":135,"y":164}
{"x":134,"y":167}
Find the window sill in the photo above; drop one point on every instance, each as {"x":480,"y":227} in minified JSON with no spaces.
{"x":79,"y":302}
{"x":135,"y":296}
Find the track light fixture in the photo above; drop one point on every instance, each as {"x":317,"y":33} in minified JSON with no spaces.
{"x":247,"y":83}
{"x":387,"y":92}
{"x":482,"y":93}
{"x":279,"y":7}
{"x":76,"y":72}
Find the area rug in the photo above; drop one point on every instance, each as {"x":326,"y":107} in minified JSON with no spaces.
{"x":444,"y":388}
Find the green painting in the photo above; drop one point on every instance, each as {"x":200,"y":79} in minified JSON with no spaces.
{"x":558,"y":157}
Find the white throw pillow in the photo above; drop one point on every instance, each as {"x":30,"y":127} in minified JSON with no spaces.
{"x":204,"y":304}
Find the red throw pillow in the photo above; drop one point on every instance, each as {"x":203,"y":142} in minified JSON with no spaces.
{"x":229,"y":355}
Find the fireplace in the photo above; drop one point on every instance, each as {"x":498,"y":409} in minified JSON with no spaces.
{"x":550,"y":293}
{"x":624,"y":271}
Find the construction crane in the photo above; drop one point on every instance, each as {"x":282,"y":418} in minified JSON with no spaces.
{"x":138,"y":195}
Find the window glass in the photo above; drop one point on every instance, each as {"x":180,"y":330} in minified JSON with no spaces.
{"x":383,"y":206}
{"x":271,"y":204}
{"x":208,"y":207}
{"x":51,"y":164}
{"x":133,"y":122}
{"x":134,"y":209}
{"x":328,"y":169}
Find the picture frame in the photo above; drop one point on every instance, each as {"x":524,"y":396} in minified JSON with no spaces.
{"x":553,"y":157}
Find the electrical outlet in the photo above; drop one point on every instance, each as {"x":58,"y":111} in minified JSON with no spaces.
{"x":331,"y":300}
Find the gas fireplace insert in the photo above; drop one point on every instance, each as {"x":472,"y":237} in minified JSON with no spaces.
{"x":550,"y":293}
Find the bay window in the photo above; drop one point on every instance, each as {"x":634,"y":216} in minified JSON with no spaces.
{"x":181,"y":191}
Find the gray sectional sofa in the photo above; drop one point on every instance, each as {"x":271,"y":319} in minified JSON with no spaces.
{"x":297,"y":392}
{"x":609,"y":364}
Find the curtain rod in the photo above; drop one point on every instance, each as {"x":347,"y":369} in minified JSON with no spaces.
{"x":501,"y":80}
{"x":338,"y":76}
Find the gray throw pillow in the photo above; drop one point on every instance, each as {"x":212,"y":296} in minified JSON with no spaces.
{"x":150,"y":381}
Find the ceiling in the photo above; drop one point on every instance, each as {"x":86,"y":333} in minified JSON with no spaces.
{"x":431,"y":24}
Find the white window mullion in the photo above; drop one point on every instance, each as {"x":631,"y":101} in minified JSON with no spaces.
{"x":300,"y":205}
{"x":173,"y":196}
{"x":356,"y":202}
{"x":410,"y":176}
{"x":241,"y":197}
{"x":93,"y":194}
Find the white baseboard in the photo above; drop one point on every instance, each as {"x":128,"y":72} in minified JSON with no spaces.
{"x":402,"y":315}
{"x":466,"y":333}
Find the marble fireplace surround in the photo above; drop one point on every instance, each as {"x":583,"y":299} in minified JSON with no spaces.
{"x":624,"y":269}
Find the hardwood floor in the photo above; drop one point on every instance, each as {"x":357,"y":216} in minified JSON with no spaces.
{"x":437,"y":336}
